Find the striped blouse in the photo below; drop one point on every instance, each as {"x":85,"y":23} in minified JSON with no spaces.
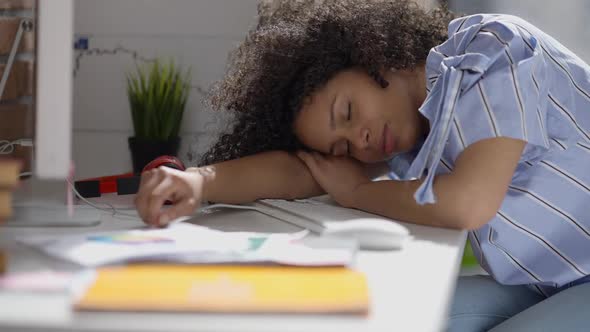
{"x":499,"y":76}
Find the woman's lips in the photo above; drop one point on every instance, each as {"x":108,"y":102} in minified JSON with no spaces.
{"x":388,"y":142}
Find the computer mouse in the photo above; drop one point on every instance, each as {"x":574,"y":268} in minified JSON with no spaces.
{"x":371,"y":233}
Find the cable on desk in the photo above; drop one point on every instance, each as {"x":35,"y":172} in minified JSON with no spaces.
{"x":111,"y":208}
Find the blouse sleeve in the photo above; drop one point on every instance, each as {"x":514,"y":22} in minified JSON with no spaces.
{"x":489,"y":85}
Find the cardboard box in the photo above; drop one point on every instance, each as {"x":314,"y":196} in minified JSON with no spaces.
{"x":25,"y":155}
{"x":16,"y":4}
{"x":16,"y":121}
{"x":8,"y":28}
{"x":20,"y":82}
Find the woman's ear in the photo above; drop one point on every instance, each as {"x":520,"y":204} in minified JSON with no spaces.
{"x":380,"y":79}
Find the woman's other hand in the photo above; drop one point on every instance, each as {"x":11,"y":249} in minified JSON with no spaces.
{"x":338,"y":176}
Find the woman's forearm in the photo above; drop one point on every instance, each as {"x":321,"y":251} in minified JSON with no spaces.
{"x":274,"y":174}
{"x":395,"y":199}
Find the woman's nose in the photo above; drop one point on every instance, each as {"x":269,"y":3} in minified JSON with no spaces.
{"x":363,"y":138}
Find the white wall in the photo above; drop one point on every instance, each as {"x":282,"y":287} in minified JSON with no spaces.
{"x":197,"y":33}
{"x":200,"y":33}
{"x":565,"y":20}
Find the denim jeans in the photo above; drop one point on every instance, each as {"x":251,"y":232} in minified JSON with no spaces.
{"x":482,"y":304}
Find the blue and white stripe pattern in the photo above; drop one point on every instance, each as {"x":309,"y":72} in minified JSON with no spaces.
{"x":499,"y":76}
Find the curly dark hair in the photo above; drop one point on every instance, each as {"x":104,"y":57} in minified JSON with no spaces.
{"x":297,"y":48}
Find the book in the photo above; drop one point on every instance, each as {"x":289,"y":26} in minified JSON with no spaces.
{"x":244,"y":289}
{"x":5,"y":204}
{"x":185,"y":243}
{"x":3,"y":262}
{"x":9,"y":172}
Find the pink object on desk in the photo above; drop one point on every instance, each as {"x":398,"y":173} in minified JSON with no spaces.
{"x":44,"y":280}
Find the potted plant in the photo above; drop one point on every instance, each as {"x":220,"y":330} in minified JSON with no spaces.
{"x":157,"y":97}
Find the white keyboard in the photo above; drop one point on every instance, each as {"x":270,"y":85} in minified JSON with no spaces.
{"x":324,"y":217}
{"x":321,"y":215}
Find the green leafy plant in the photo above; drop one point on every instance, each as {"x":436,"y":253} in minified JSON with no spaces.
{"x":157,"y":96}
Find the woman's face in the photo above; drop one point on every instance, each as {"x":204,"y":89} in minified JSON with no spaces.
{"x":351,"y":115}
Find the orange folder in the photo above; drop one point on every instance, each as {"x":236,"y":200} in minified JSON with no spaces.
{"x":267,"y":289}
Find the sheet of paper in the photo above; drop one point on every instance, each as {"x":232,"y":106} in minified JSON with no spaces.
{"x":192,"y":244}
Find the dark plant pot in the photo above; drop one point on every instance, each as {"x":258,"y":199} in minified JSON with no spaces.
{"x":143,"y":151}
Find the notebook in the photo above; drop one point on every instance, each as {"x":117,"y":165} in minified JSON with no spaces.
{"x":243,"y":289}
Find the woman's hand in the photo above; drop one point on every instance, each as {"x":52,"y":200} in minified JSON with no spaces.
{"x":184,"y":189}
{"x":338,"y":176}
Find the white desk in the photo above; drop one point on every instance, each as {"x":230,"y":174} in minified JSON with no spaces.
{"x":410,"y":289}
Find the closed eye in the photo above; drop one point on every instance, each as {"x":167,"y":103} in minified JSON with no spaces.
{"x":349,"y":111}
{"x":348,"y":119}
